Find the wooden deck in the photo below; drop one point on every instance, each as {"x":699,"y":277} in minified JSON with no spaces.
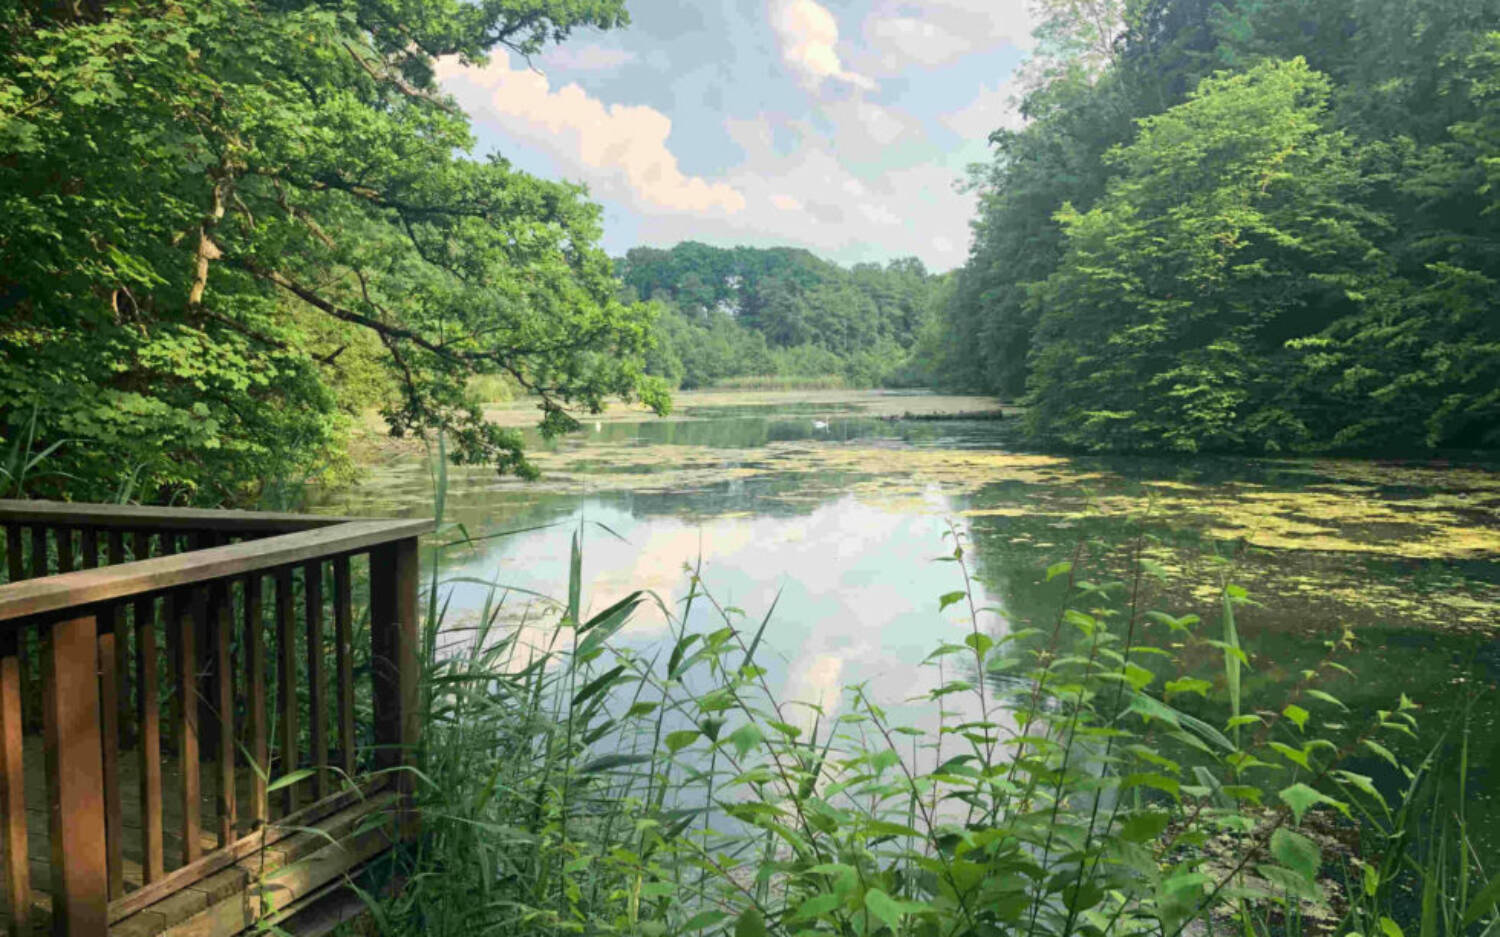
{"x":112,"y":817}
{"x":293,"y":860}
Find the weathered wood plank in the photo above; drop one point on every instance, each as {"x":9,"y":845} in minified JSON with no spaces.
{"x":53,"y":594}
{"x":317,"y":690}
{"x":343,"y":643}
{"x":222,"y":617}
{"x":111,"y":637}
{"x":75,"y":778}
{"x":144,"y":517}
{"x":124,"y":716}
{"x":109,"y":618}
{"x":187,"y":628}
{"x":17,"y":874}
{"x":393,"y":660}
{"x":149,"y":721}
{"x":254,"y":644}
{"x":251,"y":845}
{"x":286,"y":681}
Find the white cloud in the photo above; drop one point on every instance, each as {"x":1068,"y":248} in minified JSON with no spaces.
{"x":991,"y":109}
{"x":621,"y":148}
{"x":811,"y":197}
{"x":809,"y":34}
{"x":900,"y":33}
{"x":586,"y":58}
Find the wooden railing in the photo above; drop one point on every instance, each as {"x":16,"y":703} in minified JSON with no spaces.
{"x":145,"y":635}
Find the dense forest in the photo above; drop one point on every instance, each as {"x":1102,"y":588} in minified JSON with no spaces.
{"x":1244,"y":225}
{"x":780,"y":312}
{"x":230,"y":228}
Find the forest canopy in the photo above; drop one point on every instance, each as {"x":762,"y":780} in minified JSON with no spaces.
{"x":1244,"y":225}
{"x":781,"y":312}
{"x":228,"y":227}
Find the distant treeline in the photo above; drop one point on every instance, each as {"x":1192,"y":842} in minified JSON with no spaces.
{"x":1256,"y":225}
{"x":728,"y":313}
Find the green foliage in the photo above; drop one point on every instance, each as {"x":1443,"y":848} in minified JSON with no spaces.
{"x":1227,"y":231}
{"x":1132,"y":276}
{"x":574,"y":783}
{"x":225,"y":226}
{"x":779,"y":312}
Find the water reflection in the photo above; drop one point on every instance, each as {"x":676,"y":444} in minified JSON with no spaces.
{"x":842,"y":522}
{"x":855,"y":587}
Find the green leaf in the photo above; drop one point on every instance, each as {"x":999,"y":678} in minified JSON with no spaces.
{"x":287,"y":780}
{"x":750,"y":924}
{"x":949,"y":598}
{"x":884,"y":907}
{"x":1058,"y":569}
{"x":1297,"y":852}
{"x":704,"y":919}
{"x":1302,"y":798}
{"x":677,"y":741}
{"x":815,"y":906}
{"x":1188,"y":685}
{"x":1144,"y":826}
{"x":1383,"y":752}
{"x":1297,"y":715}
{"x":1483,"y":902}
{"x":598,"y":684}
{"x":745,"y":738}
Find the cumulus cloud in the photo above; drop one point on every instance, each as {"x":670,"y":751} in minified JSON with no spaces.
{"x":811,"y":196}
{"x":809,"y":35}
{"x":992,"y":109}
{"x":623,"y":147}
{"x":901,"y":34}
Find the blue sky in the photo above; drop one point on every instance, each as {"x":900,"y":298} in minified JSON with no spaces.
{"x":840,"y":127}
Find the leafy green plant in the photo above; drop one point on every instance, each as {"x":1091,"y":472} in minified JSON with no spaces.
{"x":1051,"y":781}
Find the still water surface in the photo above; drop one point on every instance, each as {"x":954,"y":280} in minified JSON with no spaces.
{"x":836,"y":515}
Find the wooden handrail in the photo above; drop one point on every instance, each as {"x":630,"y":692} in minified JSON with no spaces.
{"x":139,"y":517}
{"x":85,"y":587}
{"x":205,"y":586}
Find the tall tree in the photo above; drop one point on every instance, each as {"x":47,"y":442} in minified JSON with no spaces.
{"x":208,"y":210}
{"x":1229,"y":231}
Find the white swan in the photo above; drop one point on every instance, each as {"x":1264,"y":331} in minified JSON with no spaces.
{"x":820,"y":424}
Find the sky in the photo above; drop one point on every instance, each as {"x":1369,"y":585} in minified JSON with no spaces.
{"x":844,"y":128}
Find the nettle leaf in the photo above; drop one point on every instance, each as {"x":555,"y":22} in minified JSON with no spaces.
{"x":1297,"y":852}
{"x":745,"y":738}
{"x":677,"y":741}
{"x":1058,"y":569}
{"x":1302,"y":798}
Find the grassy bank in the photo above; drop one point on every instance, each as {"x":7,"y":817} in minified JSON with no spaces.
{"x":1054,"y":777}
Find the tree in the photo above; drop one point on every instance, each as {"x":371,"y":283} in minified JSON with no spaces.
{"x":210,"y":211}
{"x":1230,"y":231}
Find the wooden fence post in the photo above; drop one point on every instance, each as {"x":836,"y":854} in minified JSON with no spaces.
{"x":75,"y":778}
{"x":17,"y":872}
{"x":394,"y":634}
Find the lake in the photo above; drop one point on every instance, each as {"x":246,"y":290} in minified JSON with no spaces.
{"x":834,"y":508}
